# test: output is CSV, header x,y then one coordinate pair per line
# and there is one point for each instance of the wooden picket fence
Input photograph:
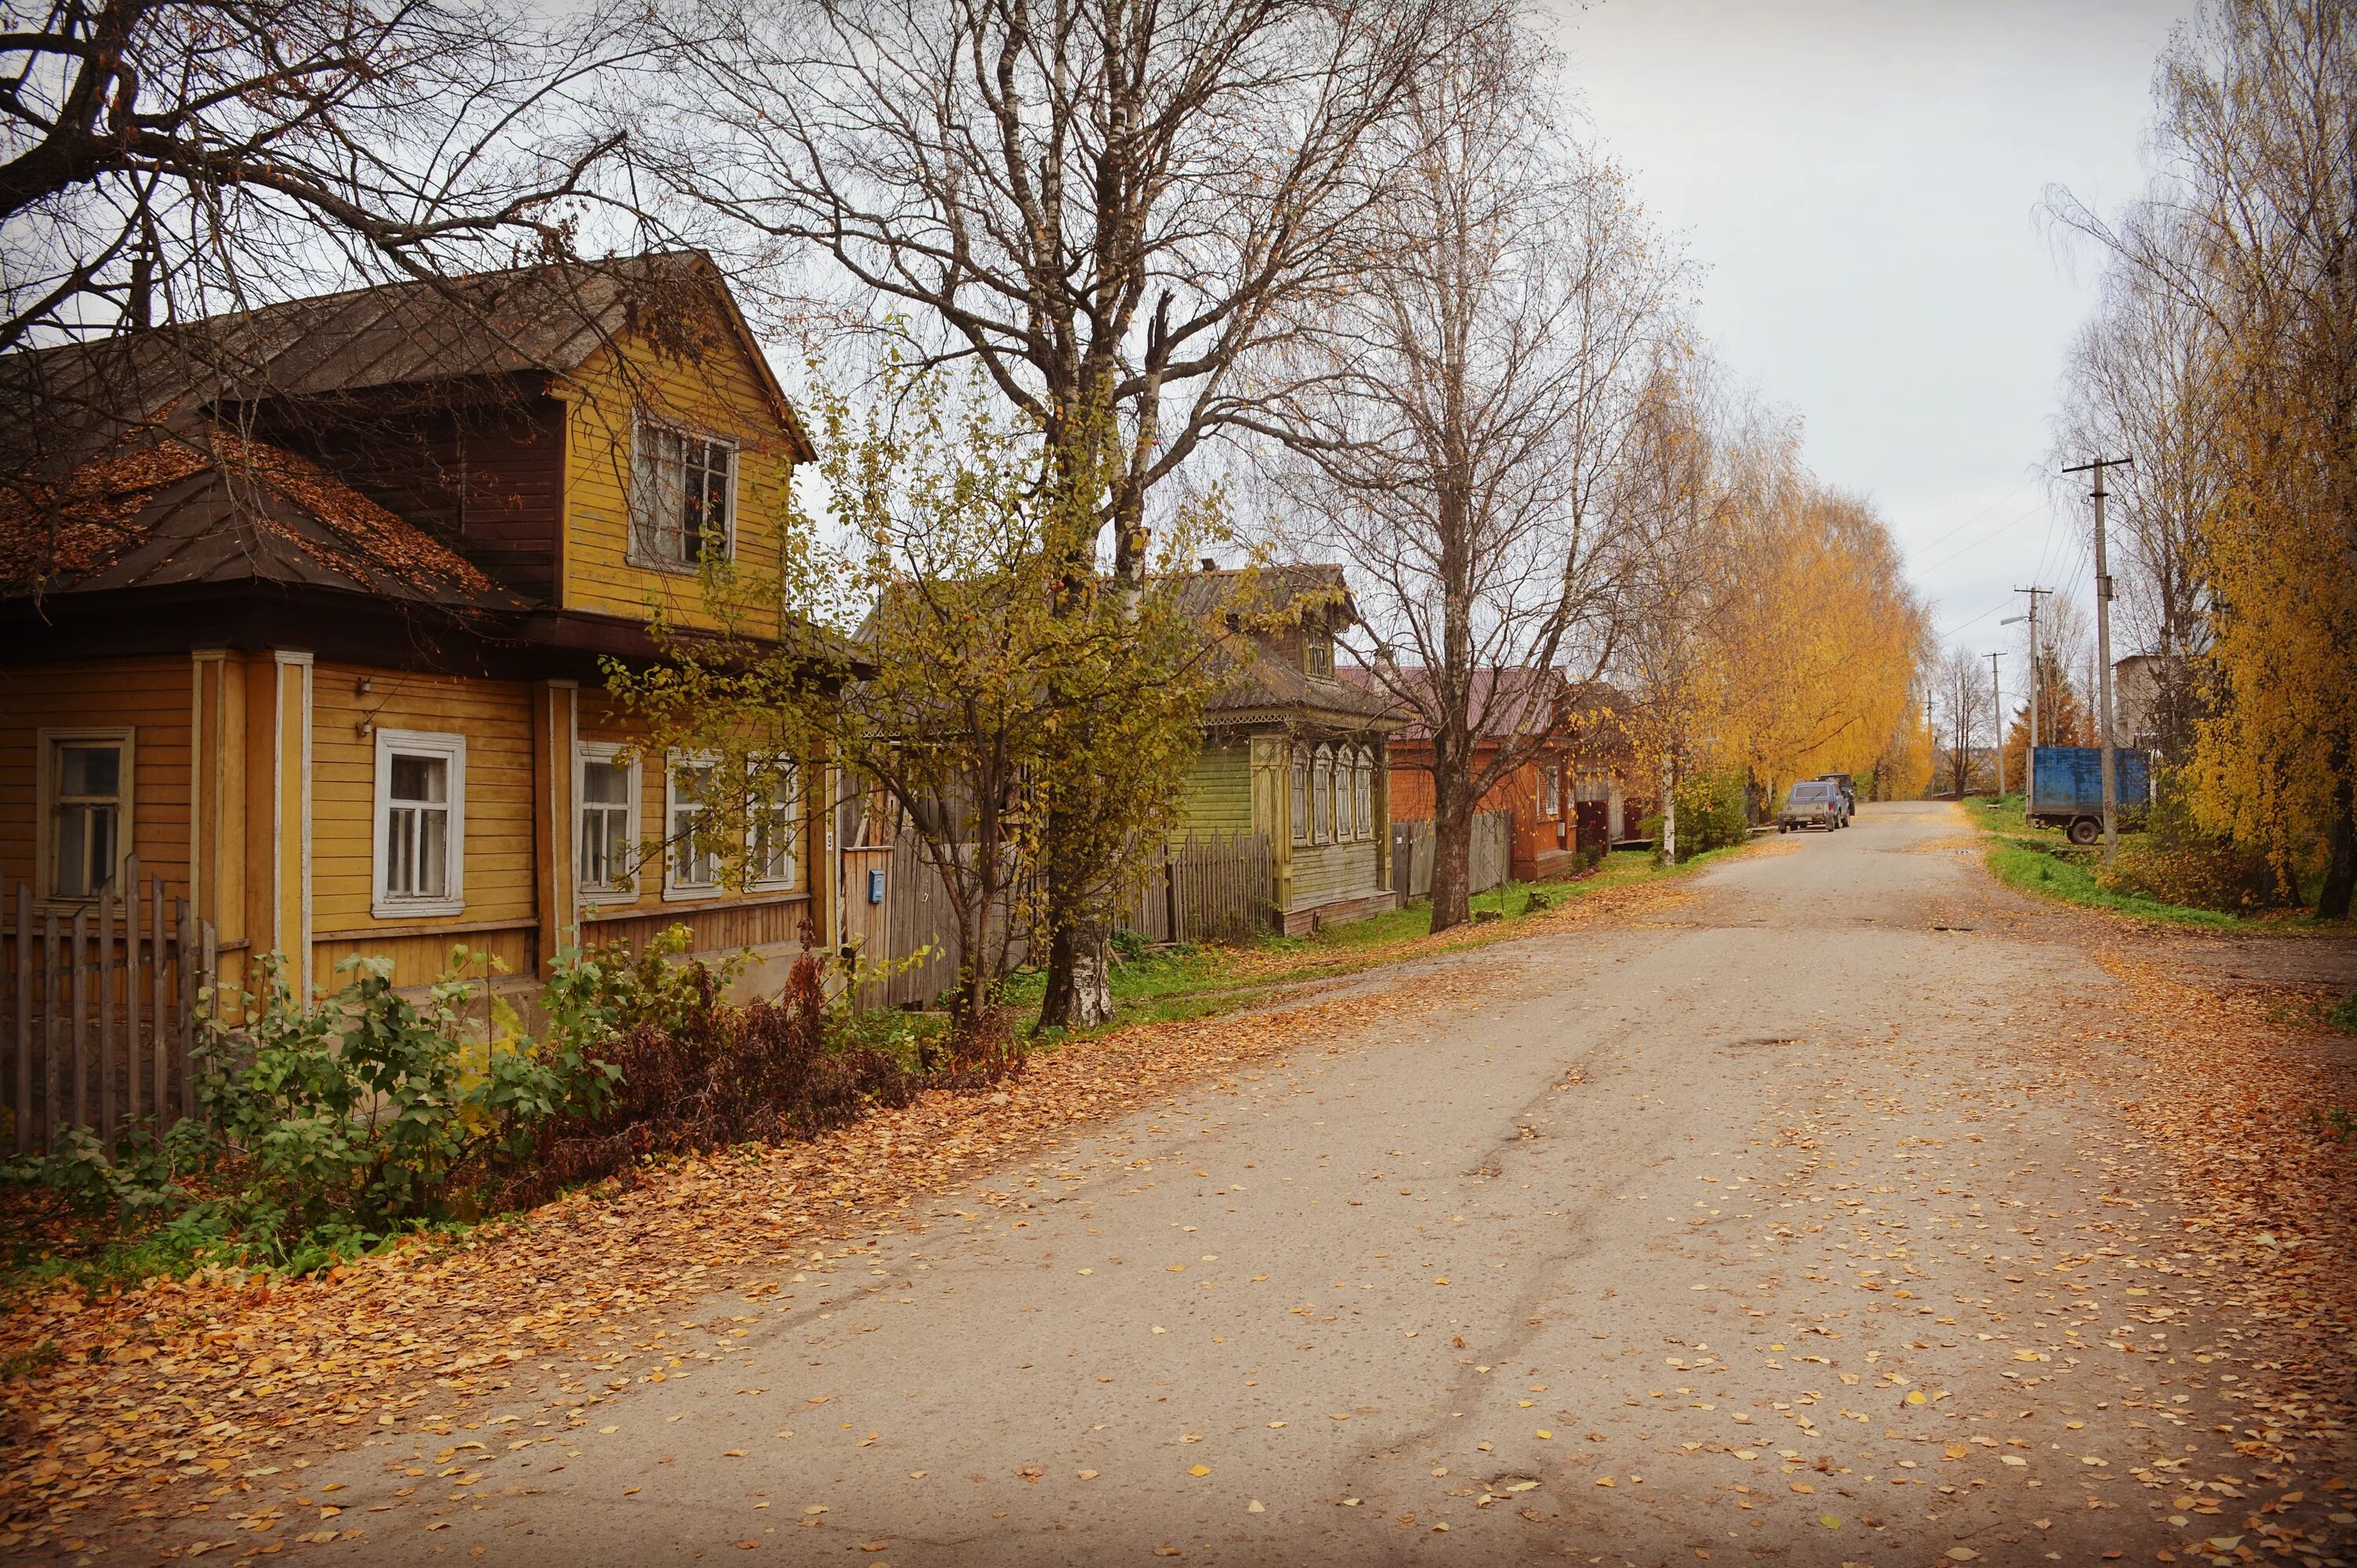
x,y
100,1013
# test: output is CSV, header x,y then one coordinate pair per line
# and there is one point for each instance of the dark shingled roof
x,y
1252,599
61,405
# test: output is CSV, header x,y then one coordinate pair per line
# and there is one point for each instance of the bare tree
x,y
1107,205
2144,379
1966,716
166,159
1452,423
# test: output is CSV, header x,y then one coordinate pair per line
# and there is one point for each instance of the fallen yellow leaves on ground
x,y
130,1396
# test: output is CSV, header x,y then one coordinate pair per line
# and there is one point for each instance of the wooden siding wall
x,y
726,921
498,860
1217,791
767,921
487,476
1330,873
149,695
721,391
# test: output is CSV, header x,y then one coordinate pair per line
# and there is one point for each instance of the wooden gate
x,y
100,1010
867,883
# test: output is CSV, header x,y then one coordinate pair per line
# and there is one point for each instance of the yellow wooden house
x,y
307,607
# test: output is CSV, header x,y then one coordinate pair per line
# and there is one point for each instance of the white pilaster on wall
x,y
290,930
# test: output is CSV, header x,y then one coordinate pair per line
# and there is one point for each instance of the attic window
x,y
1320,653
682,496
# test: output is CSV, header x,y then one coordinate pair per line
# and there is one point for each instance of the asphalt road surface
x,y
1721,1234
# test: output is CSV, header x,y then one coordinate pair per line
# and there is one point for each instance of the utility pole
x,y
2037,695
1997,698
2103,660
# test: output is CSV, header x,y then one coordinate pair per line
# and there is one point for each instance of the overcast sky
x,y
1861,180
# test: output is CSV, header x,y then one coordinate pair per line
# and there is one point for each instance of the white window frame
x,y
452,750
45,851
675,889
645,495
791,804
627,758
1366,794
1551,789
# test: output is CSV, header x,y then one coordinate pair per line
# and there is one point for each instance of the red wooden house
x,y
1565,795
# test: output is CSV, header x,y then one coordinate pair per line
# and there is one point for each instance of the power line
x,y
2001,500
1975,543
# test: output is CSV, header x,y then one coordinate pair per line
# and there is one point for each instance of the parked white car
x,y
1814,804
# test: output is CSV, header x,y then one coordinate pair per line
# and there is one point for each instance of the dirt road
x,y
1778,1227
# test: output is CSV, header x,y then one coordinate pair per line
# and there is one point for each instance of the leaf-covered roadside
x,y
2159,880
122,1399
322,1131
2242,1103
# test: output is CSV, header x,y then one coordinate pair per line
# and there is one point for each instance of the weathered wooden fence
x,y
917,916
100,1009
1207,887
1492,857
1490,862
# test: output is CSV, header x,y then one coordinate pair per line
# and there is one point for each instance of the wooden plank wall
x,y
1490,858
720,391
147,695
711,928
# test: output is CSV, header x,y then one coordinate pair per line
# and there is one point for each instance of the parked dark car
x,y
2067,788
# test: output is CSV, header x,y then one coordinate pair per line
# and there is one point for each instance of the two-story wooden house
x,y
306,606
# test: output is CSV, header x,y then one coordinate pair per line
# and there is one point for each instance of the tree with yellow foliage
x,y
1771,633
2251,224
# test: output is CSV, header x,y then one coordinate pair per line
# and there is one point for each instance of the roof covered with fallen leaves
x,y
211,508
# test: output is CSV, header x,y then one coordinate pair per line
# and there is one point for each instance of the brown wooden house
x,y
306,608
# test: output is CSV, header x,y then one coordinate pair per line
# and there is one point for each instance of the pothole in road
x,y
1762,1040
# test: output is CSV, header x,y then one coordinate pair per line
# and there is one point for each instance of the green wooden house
x,y
1293,752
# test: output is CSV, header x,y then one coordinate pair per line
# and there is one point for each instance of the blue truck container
x,y
2068,788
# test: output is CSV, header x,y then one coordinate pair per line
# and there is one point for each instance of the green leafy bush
x,y
321,1132
1710,815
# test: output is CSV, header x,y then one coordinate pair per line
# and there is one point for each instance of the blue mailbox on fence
x,y
875,886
